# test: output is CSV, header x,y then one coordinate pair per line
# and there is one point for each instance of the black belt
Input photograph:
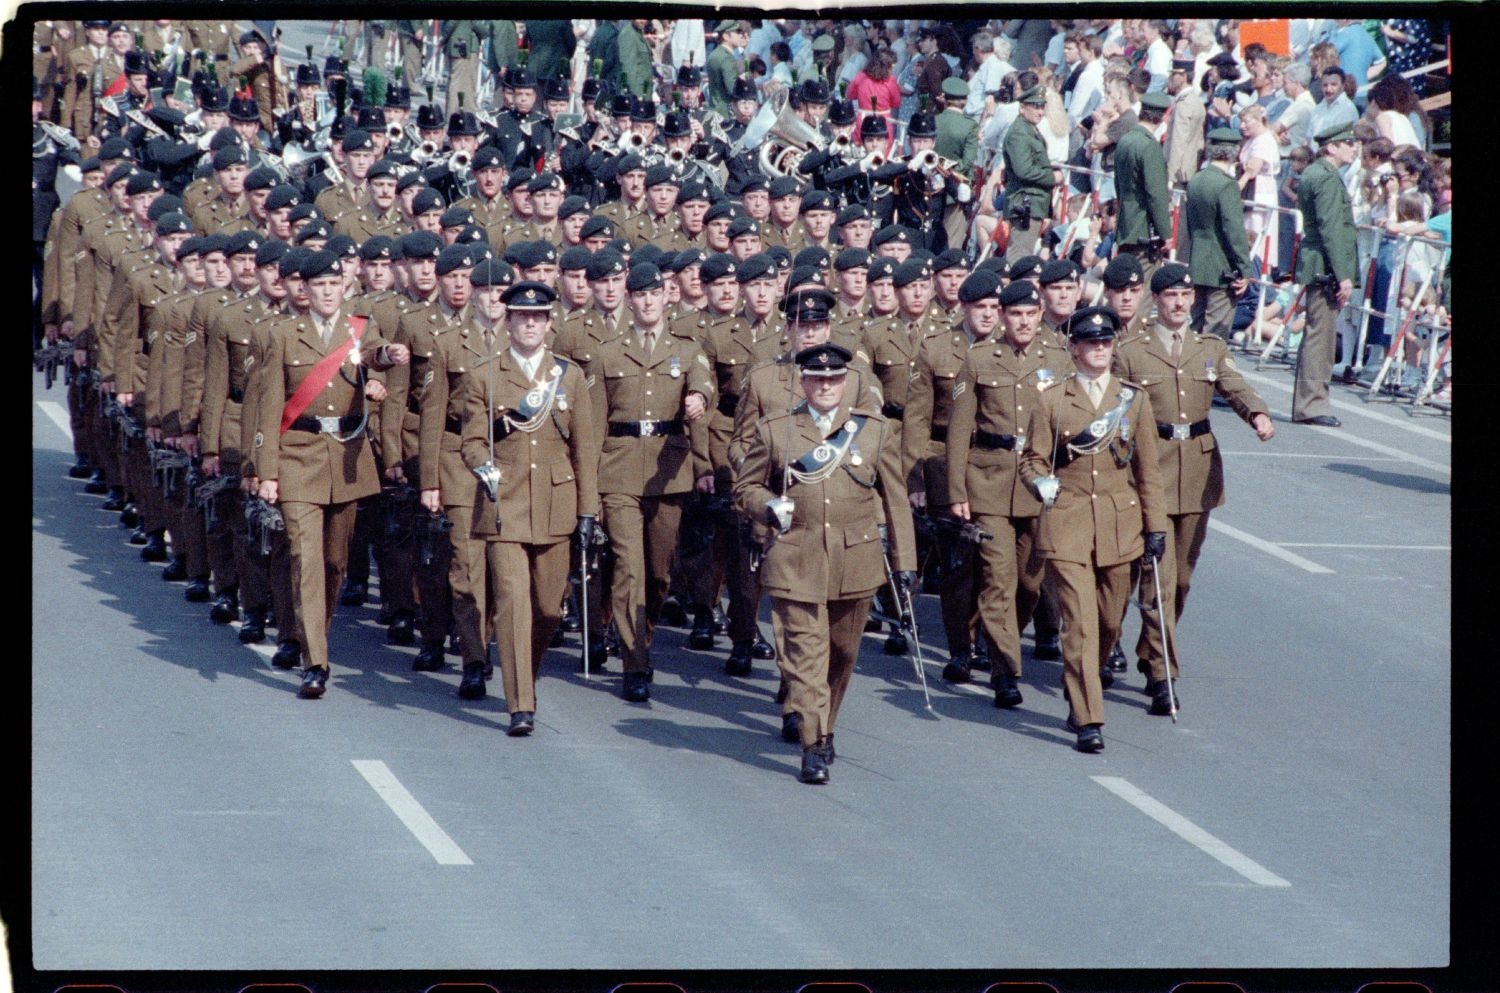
x,y
895,411
43,49
454,425
939,432
728,402
984,439
221,58
1182,432
314,425
644,429
237,396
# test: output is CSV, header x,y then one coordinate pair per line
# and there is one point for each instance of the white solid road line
x,y
1358,408
1269,548
1190,832
1376,446
1398,548
58,416
412,814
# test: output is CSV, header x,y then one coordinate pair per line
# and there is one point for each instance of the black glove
x,y
585,529
1156,545
907,581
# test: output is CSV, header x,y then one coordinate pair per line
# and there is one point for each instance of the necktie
x,y
1176,345
1096,393
648,342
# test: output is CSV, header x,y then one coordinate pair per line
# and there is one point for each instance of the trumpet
x,y
630,141
395,131
872,161
841,146
61,137
424,152
459,161
676,157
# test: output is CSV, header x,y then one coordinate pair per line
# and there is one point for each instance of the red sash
x,y
321,375
116,88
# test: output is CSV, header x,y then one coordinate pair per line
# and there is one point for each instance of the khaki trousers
x,y
527,583
643,537
317,536
820,644
1184,544
1091,604
1010,585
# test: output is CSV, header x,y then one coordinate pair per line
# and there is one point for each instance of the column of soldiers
x,y
508,356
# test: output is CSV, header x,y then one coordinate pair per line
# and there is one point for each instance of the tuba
x,y
784,140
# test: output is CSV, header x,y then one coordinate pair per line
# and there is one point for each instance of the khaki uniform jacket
x,y
832,550
227,363
533,231
893,347
78,87
630,387
255,363
583,334
1103,510
996,392
622,215
734,348
456,352
548,477
400,423
364,223
199,192
163,364
107,239
1192,471
67,250
775,386
488,214
184,351
313,468
773,234
929,411
220,216
336,201
134,325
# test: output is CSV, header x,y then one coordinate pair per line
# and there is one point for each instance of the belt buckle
x,y
648,428
1181,432
328,425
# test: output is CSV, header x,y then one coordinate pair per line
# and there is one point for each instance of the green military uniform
x,y
1028,184
1141,192
1328,256
635,63
957,138
723,69
1216,230
551,44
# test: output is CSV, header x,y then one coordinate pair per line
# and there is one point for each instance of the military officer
x,y
1219,253
1092,459
1144,228
1028,175
529,433
1328,266
826,476
651,389
723,68
999,386
1181,371
312,456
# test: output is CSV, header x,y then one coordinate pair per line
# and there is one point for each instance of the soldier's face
x,y
268,277
1060,298
1123,301
490,180
383,192
93,180
486,300
1093,357
813,113
852,284
692,97
948,282
760,296
545,204
192,269
360,161
883,295
242,270
214,120
307,94
663,197
716,234
232,179
141,203
119,197
691,214
609,291
784,209
96,36
257,201
575,287
454,287
527,329
982,316
520,202
672,291
647,305
857,234
899,251
137,82
377,275
525,99
757,204
1174,305
744,110
216,269
571,226
121,42
422,274
544,273
745,246
247,130
810,333
466,143
914,297
325,293
818,223
724,294
633,184
824,393
555,107
1032,113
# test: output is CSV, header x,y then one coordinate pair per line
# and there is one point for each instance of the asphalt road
x,y
190,812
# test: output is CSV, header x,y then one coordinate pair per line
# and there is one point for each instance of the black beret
x,y
376,247
290,263
313,229
1057,271
487,157
315,264
692,190
950,259
426,200
117,148
597,227
270,252
851,258
717,266
1020,292
142,182
173,222
210,243
357,140
472,234
410,179
165,204
814,255
242,242
743,225
853,212
604,264
689,257
534,253
1171,275
119,172
303,211
785,186
980,285
381,167
572,205
518,179
660,174
190,246
646,253
910,271
891,232
781,255
546,181
643,277
421,245
343,246
455,256
574,259
90,164
259,178
629,162
754,181
456,217
1025,266
229,155
1123,270
721,208
759,266
881,267
491,272
818,200
802,274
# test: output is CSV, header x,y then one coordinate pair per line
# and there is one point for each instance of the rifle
x,y
120,419
264,519
703,514
52,356
398,505
431,528
206,497
954,538
166,463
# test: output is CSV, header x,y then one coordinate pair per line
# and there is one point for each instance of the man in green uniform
x,y
635,60
1327,266
723,67
1145,218
1219,258
1028,175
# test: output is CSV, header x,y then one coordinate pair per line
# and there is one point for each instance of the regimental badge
x,y
1044,379
822,453
854,457
675,370
534,398
562,400
1098,427
1208,371
260,439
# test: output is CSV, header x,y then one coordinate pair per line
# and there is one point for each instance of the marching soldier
x,y
894,347
353,193
827,476
229,210
651,389
311,453
1058,280
1181,371
1092,459
1220,253
1123,285
529,433
998,388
